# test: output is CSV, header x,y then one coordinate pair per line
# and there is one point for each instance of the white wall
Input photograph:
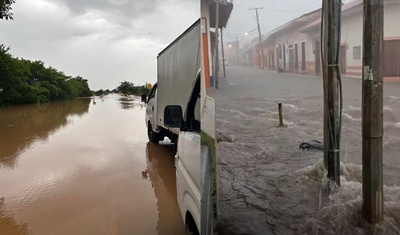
x,y
392,20
352,32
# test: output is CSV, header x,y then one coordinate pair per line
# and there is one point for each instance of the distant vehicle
x,y
173,110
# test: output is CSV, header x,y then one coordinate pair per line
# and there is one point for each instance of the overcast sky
x,y
104,41
274,14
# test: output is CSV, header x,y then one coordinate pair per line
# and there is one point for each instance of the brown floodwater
x,y
79,167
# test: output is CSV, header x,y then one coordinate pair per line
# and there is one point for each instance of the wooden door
x,y
317,58
296,57
291,60
391,58
303,56
284,57
343,59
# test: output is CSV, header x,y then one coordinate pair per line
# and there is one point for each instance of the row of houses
x,y
295,46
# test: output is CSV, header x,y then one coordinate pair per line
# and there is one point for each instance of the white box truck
x,y
178,65
174,110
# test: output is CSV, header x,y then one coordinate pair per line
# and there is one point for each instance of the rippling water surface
x,y
84,167
269,186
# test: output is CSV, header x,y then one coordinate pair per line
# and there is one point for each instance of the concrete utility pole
x,y
259,33
330,38
223,53
216,61
372,109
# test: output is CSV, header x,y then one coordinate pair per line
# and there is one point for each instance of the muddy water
x,y
81,167
269,186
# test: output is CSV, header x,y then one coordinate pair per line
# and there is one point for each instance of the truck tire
x,y
153,136
175,147
190,225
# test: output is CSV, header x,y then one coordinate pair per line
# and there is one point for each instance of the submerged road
x,y
267,185
79,167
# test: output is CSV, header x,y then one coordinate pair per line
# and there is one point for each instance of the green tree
x,y
9,81
101,92
25,82
126,88
5,9
80,87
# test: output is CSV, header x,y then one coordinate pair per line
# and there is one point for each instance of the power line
x,y
232,35
307,5
241,3
289,17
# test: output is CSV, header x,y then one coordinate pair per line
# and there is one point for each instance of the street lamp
x,y
230,45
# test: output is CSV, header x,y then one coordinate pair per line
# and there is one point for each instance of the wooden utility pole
x,y
259,34
223,53
372,109
216,60
330,38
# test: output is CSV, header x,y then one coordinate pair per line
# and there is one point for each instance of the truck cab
x,y
153,132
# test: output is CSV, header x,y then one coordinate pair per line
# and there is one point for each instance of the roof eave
x,y
224,11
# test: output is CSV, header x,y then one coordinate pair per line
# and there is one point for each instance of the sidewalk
x,y
344,76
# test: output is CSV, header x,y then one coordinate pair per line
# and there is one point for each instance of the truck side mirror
x,y
173,116
144,98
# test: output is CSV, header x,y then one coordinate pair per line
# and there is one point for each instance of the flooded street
x,y
81,167
267,185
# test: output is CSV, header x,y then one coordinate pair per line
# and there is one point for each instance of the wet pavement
x,y
84,167
267,185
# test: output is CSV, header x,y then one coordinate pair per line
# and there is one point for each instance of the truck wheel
x,y
175,147
153,136
174,138
191,227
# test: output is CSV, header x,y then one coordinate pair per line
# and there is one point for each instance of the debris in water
x,y
221,137
313,144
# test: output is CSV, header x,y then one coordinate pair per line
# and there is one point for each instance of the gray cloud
x,y
106,42
122,7
122,12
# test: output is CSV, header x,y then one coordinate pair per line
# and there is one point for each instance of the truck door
x,y
188,160
151,111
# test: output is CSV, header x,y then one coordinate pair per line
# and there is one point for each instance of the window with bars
x,y
357,53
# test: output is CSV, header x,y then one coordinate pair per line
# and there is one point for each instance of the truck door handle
x,y
152,108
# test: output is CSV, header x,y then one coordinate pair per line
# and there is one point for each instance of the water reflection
x,y
129,103
20,126
161,173
8,225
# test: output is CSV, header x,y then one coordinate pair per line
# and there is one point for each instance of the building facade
x,y
296,46
286,47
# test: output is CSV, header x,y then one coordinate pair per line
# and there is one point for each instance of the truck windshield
x,y
153,92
